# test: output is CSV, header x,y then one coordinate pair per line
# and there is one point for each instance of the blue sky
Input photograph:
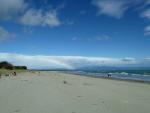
x,y
111,29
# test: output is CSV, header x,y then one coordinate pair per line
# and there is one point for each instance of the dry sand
x,y
46,92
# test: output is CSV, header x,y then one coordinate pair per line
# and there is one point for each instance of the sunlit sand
x,y
53,92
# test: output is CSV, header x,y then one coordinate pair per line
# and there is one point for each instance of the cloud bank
x,y
68,62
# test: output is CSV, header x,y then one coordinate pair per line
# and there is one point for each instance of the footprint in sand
x,y
24,80
16,111
126,101
94,104
65,82
103,102
87,84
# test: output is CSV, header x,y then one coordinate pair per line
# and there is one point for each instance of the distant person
x,y
0,76
15,73
109,75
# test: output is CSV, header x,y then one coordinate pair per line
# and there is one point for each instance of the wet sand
x,y
54,92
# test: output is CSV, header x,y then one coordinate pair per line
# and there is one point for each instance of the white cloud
x,y
148,59
103,37
28,30
97,38
117,8
9,8
146,14
147,30
129,59
5,35
65,62
147,2
20,11
34,62
70,22
112,8
83,12
34,17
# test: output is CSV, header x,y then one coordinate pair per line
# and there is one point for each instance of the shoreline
x,y
79,74
110,78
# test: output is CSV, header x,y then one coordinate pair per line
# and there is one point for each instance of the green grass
x,y
6,71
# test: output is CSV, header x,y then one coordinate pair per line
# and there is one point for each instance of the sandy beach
x,y
55,92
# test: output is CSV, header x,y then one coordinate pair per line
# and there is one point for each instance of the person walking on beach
x,y
109,75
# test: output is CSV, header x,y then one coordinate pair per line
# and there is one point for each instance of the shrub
x,y
6,65
20,67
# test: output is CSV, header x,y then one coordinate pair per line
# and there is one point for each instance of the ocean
x,y
136,75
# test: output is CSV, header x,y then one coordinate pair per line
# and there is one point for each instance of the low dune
x,y
55,92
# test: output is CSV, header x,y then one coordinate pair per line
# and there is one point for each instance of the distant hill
x,y
7,65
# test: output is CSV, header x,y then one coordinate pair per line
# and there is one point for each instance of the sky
x,y
75,33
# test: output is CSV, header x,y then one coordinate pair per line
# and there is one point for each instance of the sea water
x,y
139,75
